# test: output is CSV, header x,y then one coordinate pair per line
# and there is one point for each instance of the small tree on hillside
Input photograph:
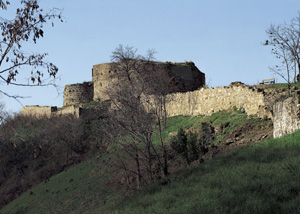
x,y
186,144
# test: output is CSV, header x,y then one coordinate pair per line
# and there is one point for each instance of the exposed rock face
x,y
286,116
186,77
78,93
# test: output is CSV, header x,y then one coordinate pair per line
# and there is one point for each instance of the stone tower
x,y
186,76
78,93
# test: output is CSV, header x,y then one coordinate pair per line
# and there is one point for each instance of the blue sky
x,y
223,38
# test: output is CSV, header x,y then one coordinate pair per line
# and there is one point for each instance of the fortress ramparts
x,y
210,100
186,98
186,77
51,111
39,111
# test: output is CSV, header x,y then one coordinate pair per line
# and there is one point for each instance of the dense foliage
x,y
99,184
32,150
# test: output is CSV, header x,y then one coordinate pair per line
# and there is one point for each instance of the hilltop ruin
x,y
186,77
189,96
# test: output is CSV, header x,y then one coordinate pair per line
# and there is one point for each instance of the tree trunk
x,y
165,156
138,170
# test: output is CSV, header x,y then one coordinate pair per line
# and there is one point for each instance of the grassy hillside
x,y
93,186
259,178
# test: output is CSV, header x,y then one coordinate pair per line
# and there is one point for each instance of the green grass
x,y
92,104
235,118
80,188
279,85
177,122
261,178
218,186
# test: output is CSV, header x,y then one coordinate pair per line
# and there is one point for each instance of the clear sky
x,y
223,38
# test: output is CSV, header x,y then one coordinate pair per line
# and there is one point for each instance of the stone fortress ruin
x,y
189,96
186,76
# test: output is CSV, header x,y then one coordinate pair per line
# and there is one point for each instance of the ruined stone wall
x,y
39,111
78,93
186,77
286,116
69,110
207,101
101,79
50,111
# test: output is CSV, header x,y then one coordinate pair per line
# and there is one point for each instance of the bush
x,y
186,145
192,145
33,150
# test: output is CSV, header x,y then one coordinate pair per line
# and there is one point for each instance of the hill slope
x,y
259,178
219,185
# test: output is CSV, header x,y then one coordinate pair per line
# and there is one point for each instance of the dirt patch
x,y
241,136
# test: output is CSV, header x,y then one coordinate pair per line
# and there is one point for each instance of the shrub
x,y
186,145
192,145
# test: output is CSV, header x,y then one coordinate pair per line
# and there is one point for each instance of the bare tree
x,y
285,42
134,77
129,116
26,26
161,83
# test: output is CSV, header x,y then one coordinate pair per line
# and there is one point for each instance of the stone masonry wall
x,y
186,77
69,110
78,93
38,111
50,111
286,116
210,100
101,79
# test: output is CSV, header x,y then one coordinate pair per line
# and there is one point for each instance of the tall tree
x,y
135,77
285,42
26,26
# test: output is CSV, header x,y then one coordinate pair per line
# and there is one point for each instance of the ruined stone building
x,y
186,76
188,97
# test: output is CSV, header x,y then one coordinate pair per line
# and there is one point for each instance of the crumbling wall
x,y
69,110
206,101
78,93
101,79
39,111
50,111
286,116
186,77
